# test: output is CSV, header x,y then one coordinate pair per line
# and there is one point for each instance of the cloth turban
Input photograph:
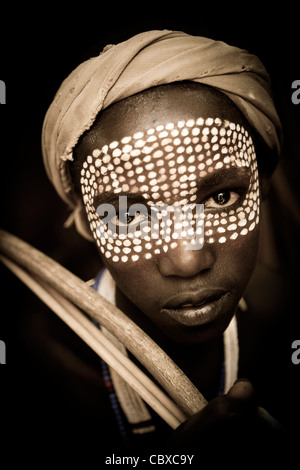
x,y
150,59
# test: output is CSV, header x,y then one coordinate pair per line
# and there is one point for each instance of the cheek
x,y
237,258
139,281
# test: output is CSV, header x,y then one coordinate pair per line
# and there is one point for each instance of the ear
x,y
82,223
79,218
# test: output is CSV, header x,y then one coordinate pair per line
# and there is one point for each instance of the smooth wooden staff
x,y
88,332
156,361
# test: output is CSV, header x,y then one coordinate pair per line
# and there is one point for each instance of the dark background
x,y
39,48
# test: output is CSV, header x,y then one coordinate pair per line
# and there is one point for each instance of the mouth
x,y
196,309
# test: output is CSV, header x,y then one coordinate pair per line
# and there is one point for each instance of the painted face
x,y
144,193
198,180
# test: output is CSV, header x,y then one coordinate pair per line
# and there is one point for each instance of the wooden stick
x,y
102,346
162,368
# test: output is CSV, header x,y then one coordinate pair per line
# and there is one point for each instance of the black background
x,y
39,47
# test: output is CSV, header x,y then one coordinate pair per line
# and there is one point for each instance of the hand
x,y
232,418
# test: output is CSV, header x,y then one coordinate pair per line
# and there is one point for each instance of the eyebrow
x,y
224,175
240,175
113,198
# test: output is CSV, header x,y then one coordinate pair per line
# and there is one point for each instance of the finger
x,y
242,389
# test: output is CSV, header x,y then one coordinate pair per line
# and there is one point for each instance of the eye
x,y
124,219
224,198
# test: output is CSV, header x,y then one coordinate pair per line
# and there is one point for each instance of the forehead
x,y
157,107
168,160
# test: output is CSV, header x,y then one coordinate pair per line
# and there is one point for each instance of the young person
x,y
163,147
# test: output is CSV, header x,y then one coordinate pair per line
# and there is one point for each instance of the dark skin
x,y
145,286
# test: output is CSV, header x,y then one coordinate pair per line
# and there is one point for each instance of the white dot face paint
x,y
164,177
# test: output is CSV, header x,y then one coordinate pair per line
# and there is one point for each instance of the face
x,y
174,210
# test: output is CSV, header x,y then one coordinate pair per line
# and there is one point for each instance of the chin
x,y
193,335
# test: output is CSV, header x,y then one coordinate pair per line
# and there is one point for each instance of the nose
x,y
182,261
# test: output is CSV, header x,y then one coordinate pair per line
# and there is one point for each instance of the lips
x,y
196,308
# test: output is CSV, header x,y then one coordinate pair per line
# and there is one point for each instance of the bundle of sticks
x,y
76,303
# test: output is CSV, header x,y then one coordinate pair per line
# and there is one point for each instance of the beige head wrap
x,y
143,61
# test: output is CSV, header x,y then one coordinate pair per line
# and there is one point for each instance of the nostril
x,y
181,262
